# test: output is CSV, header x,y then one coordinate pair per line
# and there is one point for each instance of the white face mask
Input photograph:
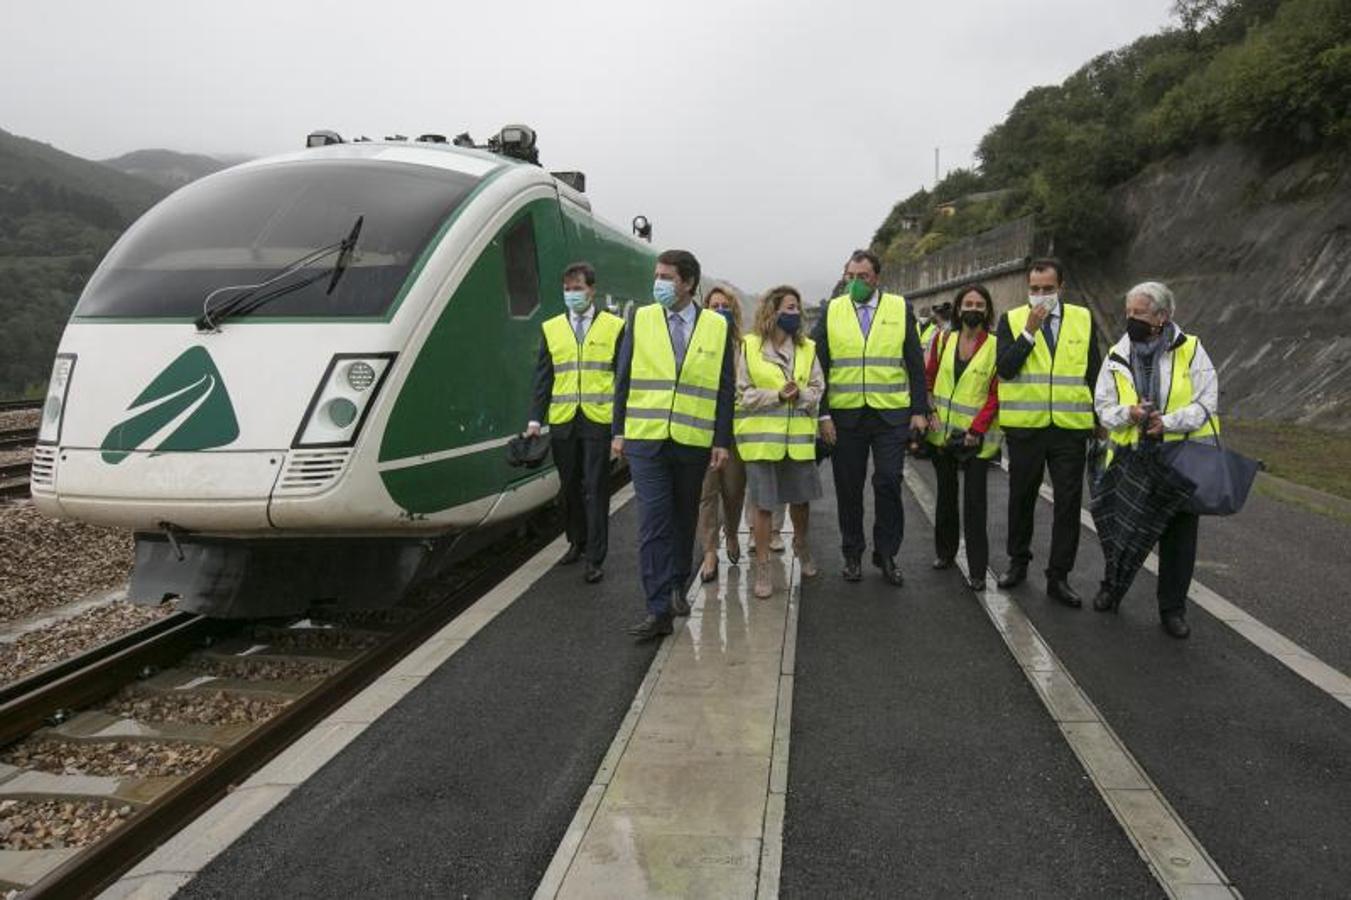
x,y
1045,301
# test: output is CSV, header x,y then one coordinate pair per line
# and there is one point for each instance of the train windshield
x,y
239,227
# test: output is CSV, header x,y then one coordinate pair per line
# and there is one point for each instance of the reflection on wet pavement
x,y
690,809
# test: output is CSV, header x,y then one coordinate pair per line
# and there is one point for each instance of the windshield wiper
x,y
345,254
251,298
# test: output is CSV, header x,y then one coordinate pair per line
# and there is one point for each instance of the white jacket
x,y
1205,386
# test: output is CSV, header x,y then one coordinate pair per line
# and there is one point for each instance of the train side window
x,y
522,269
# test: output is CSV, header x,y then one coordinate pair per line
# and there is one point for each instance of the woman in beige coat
x,y
772,389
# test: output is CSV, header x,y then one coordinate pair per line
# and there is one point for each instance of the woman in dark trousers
x,y
724,490
964,430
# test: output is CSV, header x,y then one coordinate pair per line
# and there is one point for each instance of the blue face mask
x,y
664,292
576,300
726,314
790,322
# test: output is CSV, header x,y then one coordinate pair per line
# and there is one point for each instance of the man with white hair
x,y
1159,384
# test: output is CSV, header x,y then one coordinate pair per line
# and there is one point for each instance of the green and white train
x,y
278,430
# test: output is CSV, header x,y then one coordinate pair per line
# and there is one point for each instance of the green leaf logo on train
x,y
189,394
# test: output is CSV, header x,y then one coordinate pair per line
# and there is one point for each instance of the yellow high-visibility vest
x,y
768,435
926,334
868,372
957,403
1181,393
663,403
1051,390
583,373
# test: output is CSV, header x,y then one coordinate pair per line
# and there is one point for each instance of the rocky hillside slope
x,y
1260,261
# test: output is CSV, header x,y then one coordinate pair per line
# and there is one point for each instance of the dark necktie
x,y
1048,334
678,339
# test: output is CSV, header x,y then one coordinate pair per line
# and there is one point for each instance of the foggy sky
x,y
769,138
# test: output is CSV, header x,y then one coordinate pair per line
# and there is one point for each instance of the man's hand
x,y
919,424
718,458
1155,427
1036,317
827,428
934,423
617,448
1138,414
532,430
788,391
971,439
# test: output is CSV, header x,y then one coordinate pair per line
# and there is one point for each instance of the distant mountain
x,y
28,161
59,214
167,168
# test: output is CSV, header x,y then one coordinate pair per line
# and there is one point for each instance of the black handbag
x,y
524,451
1223,477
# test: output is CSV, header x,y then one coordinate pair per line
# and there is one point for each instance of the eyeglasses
x,y
1043,288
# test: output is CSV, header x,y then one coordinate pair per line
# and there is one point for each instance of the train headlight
x,y
344,397
54,409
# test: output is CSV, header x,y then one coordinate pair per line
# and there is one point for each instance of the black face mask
x,y
1139,330
973,318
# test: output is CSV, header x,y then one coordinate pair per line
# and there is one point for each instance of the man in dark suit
x,y
674,392
1048,361
875,401
574,388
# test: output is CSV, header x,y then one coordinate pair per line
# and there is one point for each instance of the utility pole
x,y
935,167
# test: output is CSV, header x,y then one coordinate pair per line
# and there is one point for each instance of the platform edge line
x,y
1173,887
1326,678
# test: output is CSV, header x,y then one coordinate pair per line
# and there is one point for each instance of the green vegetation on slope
x,y
58,215
1274,74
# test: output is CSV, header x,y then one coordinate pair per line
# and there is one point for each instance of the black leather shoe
x,y
853,570
594,573
890,574
574,553
1176,626
679,605
652,628
1015,576
1104,601
976,584
944,562
1059,590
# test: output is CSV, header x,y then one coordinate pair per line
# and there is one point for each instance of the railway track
x,y
18,438
14,475
167,659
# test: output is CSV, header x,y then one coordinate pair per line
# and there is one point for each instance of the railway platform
x,y
838,739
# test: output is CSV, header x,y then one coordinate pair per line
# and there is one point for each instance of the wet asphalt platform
x,y
921,760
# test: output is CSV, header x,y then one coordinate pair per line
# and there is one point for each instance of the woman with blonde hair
x,y
779,388
724,489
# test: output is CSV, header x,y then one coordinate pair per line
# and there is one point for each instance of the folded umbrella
x,y
1134,500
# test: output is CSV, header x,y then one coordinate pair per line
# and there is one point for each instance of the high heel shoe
x,y
806,565
764,584
706,574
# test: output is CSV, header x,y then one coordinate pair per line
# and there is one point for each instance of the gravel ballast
x,y
49,563
68,637
194,707
117,759
54,824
